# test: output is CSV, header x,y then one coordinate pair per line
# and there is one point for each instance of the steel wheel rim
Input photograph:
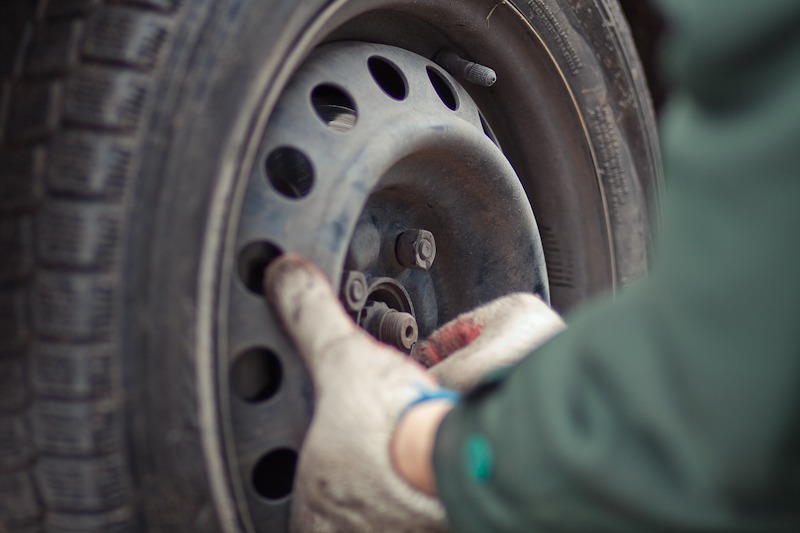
x,y
353,152
343,19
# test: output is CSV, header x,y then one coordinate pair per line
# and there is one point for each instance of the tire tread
x,y
75,78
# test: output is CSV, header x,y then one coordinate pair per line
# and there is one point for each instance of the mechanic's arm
x,y
677,406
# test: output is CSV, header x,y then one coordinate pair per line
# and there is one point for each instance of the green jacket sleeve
x,y
675,406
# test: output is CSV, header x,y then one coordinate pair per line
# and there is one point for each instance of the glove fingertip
x,y
289,276
448,339
285,266
425,354
306,305
289,281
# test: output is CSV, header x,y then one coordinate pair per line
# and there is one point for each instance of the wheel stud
x,y
399,329
468,70
416,249
391,326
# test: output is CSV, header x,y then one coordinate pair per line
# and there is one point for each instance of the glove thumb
x,y
307,307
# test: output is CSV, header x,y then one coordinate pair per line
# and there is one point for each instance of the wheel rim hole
x,y
388,77
335,107
253,259
273,475
443,88
290,171
256,375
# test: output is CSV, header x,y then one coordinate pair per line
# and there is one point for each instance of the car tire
x,y
129,129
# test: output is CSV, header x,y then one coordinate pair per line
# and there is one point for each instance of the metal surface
x,y
416,248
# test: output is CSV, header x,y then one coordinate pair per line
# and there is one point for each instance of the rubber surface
x,y
76,76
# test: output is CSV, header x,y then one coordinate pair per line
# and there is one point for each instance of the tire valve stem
x,y
468,70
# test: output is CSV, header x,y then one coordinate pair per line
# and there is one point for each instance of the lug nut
x,y
354,290
468,70
416,249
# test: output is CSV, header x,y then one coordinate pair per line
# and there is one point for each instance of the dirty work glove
x,y
493,336
345,480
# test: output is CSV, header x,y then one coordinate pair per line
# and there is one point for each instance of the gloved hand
x,y
345,480
491,337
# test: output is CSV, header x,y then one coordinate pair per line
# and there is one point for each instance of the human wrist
x,y
411,446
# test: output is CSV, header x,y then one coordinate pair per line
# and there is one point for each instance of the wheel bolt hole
x,y
443,88
273,475
256,375
290,172
388,77
335,107
253,259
